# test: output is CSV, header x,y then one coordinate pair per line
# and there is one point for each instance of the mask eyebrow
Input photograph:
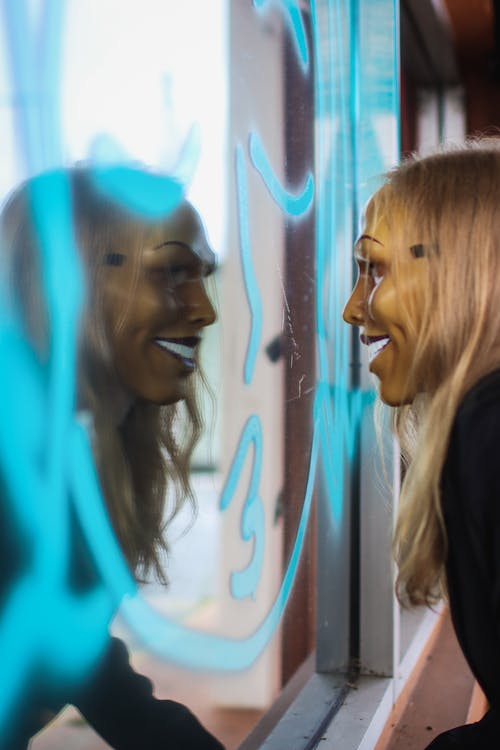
x,y
208,263
369,237
175,242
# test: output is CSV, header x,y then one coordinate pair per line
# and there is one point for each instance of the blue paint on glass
x,y
295,24
251,287
329,217
251,436
38,419
37,398
189,154
104,150
51,211
341,180
244,582
199,650
49,48
293,205
147,195
34,55
336,416
45,455
21,46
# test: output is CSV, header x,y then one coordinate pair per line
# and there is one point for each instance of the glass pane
x,y
227,127
145,105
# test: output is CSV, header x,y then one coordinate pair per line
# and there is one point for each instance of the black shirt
x,y
118,703
470,486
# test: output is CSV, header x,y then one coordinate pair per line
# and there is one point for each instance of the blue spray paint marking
x,y
34,57
189,155
50,205
251,287
342,407
293,205
37,406
147,195
337,413
106,152
332,452
295,24
50,47
198,650
38,401
244,582
23,66
204,651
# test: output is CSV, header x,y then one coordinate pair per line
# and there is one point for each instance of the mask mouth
x,y
375,345
183,349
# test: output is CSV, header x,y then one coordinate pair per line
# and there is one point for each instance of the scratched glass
x,y
221,100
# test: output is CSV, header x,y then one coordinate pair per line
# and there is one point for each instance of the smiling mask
x,y
156,306
386,289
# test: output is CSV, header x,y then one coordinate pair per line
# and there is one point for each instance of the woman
x,y
426,301
145,310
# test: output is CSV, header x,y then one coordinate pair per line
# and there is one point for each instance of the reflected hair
x,y
448,203
143,462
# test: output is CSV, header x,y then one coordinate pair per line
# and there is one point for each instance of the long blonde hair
x,y
150,450
449,203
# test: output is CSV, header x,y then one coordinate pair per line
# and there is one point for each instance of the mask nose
x,y
196,303
355,310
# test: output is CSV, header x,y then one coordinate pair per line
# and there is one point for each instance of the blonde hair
x,y
150,450
449,203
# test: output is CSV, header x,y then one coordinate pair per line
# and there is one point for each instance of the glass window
x,y
276,121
